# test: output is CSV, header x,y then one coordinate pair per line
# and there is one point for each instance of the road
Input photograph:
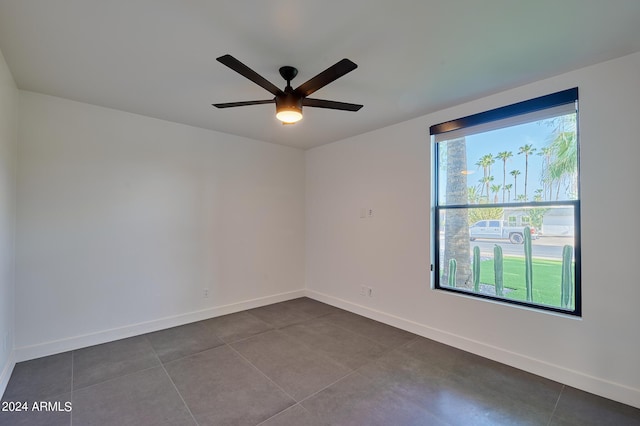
x,y
543,247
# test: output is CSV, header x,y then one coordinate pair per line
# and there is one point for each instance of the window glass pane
x,y
507,204
552,256
529,162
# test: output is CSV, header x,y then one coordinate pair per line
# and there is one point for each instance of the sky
x,y
509,139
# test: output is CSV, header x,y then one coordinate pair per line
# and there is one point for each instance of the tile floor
x,y
301,363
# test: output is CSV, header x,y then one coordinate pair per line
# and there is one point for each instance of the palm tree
x,y
538,194
456,234
515,174
508,188
491,161
564,163
546,153
473,196
486,182
495,189
527,150
485,162
504,156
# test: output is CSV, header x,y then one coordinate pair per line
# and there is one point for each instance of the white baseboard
x,y
576,379
26,353
6,372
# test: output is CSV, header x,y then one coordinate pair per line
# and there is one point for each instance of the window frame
x,y
509,111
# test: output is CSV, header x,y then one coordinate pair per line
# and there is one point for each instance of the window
x,y
507,204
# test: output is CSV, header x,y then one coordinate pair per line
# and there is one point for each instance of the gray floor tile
x,y
40,378
98,363
281,314
222,388
296,368
294,416
469,387
429,387
496,377
356,400
312,307
343,346
442,356
56,414
188,339
576,407
374,330
500,381
144,398
241,325
415,379
463,400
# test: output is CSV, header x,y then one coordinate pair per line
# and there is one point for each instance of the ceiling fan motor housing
x,y
289,106
290,99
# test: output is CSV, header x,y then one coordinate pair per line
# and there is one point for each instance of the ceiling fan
x,y
289,102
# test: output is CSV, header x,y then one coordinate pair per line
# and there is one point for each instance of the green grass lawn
x,y
546,279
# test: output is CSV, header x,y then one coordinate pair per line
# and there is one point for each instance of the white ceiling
x,y
157,57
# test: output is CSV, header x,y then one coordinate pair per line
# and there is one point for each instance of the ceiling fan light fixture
x,y
290,114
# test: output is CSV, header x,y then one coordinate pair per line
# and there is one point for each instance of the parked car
x,y
495,229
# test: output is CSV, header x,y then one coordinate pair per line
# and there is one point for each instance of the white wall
x,y
123,220
389,171
8,146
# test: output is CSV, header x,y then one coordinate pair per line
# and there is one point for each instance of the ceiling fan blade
x,y
244,103
332,73
247,72
322,103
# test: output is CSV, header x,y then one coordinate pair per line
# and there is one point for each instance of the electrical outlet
x,y
205,293
363,290
369,292
370,212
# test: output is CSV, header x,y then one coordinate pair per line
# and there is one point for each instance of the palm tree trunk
x,y
456,237
526,174
504,177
